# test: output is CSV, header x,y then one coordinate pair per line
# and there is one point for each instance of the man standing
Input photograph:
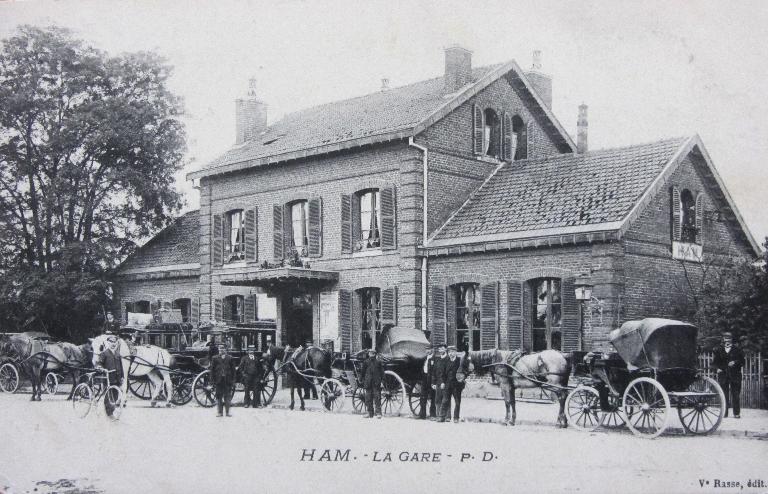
x,y
251,372
440,382
110,361
427,393
729,359
223,372
373,373
457,373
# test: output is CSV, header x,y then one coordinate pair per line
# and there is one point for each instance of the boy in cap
x,y
373,373
729,359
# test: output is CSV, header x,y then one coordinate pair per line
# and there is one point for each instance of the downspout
x,y
424,155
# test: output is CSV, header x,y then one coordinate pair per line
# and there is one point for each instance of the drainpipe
x,y
424,154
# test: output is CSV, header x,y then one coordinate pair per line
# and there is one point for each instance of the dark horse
x,y
300,366
549,369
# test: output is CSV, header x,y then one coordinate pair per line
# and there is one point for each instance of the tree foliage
x,y
89,145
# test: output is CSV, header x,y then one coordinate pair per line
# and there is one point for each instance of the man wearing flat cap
x,y
223,373
458,369
728,358
440,382
427,393
373,374
251,373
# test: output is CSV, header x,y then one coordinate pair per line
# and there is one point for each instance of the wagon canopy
x,y
403,343
656,343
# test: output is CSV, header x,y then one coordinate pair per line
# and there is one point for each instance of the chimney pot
x,y
458,68
385,84
536,65
541,82
581,130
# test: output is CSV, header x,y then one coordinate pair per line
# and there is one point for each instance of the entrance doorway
x,y
297,318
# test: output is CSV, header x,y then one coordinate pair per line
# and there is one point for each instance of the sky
x,y
647,70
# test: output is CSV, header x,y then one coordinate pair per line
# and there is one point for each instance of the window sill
x,y
684,251
234,265
368,253
489,159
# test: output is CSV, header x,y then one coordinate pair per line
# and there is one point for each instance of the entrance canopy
x,y
280,279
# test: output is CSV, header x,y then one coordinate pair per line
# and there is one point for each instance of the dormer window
x,y
519,138
492,134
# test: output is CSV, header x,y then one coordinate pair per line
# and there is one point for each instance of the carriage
x,y
653,371
10,366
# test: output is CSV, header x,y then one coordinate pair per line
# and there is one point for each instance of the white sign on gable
x,y
686,251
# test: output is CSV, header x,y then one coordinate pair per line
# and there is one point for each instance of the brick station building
x,y
456,205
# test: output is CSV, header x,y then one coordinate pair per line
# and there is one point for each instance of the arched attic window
x,y
519,138
491,133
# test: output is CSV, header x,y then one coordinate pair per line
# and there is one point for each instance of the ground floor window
x,y
234,309
142,307
370,299
547,313
467,316
185,306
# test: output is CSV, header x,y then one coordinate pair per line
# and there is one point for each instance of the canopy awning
x,y
280,278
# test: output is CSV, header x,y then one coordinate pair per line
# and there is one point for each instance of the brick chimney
x,y
541,82
458,68
250,115
581,130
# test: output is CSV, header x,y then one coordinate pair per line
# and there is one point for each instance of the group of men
x,y
443,378
224,373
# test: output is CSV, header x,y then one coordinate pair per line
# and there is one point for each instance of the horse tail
x,y
568,367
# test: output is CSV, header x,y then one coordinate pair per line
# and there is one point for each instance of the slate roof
x,y
561,193
178,243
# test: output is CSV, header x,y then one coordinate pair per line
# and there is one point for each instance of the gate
x,y
753,393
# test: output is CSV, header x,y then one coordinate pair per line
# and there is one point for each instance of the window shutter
x,y
277,231
154,306
217,253
226,310
252,235
450,315
515,315
194,311
250,308
218,310
507,149
489,303
287,232
438,314
345,319
676,217
570,311
477,129
388,212
346,224
315,207
525,142
527,316
700,218
356,223
389,306
226,244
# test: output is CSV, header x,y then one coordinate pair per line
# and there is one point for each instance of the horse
x,y
146,360
298,363
548,369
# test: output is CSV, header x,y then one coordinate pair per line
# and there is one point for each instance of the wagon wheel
x,y
268,387
414,399
182,389
140,388
647,408
332,394
703,409
82,400
51,383
9,377
203,390
392,394
115,397
358,399
583,408
613,416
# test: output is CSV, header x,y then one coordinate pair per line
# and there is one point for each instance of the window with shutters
x,y
299,227
370,302
467,316
185,306
687,217
235,234
491,134
519,138
369,203
234,309
687,225
547,313
142,307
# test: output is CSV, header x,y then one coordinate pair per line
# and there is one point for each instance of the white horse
x,y
149,360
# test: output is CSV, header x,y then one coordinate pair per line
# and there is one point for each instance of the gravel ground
x,y
46,449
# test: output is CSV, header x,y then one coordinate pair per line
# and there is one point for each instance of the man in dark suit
x,y
373,374
457,373
223,372
729,359
251,372
427,393
440,382
109,360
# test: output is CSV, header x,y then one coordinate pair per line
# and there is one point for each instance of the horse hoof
x,y
302,409
169,405
153,404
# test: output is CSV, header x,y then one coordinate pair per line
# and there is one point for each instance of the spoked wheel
x,y
702,407
140,388
358,400
51,383
9,377
82,400
414,399
203,390
114,396
268,387
583,408
393,394
613,416
182,389
647,408
332,394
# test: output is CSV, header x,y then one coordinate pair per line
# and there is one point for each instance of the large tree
x,y
89,145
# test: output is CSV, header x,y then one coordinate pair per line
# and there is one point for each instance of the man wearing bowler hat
x,y
440,382
427,393
251,373
457,372
729,359
373,374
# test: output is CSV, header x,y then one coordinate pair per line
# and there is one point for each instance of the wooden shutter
x,y
277,231
315,211
250,308
450,315
477,129
226,312
515,315
438,314
389,306
489,303
217,247
194,311
287,232
700,218
356,223
388,212
524,142
226,238
218,310
570,314
676,217
345,319
252,235
506,132
346,223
